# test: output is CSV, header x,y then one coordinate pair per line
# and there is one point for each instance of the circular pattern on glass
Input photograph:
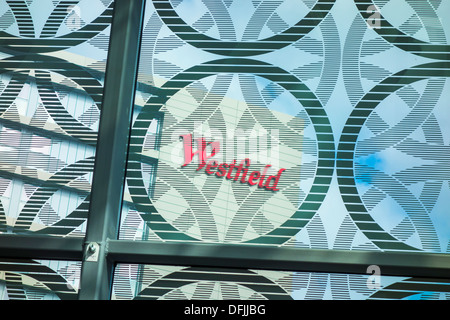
x,y
297,128
241,28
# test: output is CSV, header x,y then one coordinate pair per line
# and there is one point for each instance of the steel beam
x,y
111,154
40,247
418,264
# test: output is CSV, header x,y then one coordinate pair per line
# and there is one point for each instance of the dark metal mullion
x,y
111,154
417,264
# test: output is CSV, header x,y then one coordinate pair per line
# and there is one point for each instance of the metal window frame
x,y
111,154
106,200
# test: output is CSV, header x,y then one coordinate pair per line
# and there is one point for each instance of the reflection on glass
x,y
52,64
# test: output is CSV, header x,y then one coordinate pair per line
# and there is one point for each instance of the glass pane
x,y
298,123
133,281
23,279
52,58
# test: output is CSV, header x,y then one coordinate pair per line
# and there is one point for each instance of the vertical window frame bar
x,y
112,146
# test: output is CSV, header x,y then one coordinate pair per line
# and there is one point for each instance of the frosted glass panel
x,y
153,282
52,64
313,124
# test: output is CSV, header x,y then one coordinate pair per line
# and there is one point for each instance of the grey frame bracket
x,y
91,251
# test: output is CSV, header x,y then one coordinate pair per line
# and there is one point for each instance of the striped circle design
x,y
317,115
348,142
421,288
58,181
199,40
27,279
260,285
401,39
26,43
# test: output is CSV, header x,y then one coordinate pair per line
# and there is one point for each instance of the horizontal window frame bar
x,y
262,257
244,256
41,247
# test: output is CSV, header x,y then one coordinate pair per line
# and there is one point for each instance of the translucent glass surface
x,y
152,282
343,103
23,279
52,64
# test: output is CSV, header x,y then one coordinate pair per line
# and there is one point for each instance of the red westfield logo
x,y
232,171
